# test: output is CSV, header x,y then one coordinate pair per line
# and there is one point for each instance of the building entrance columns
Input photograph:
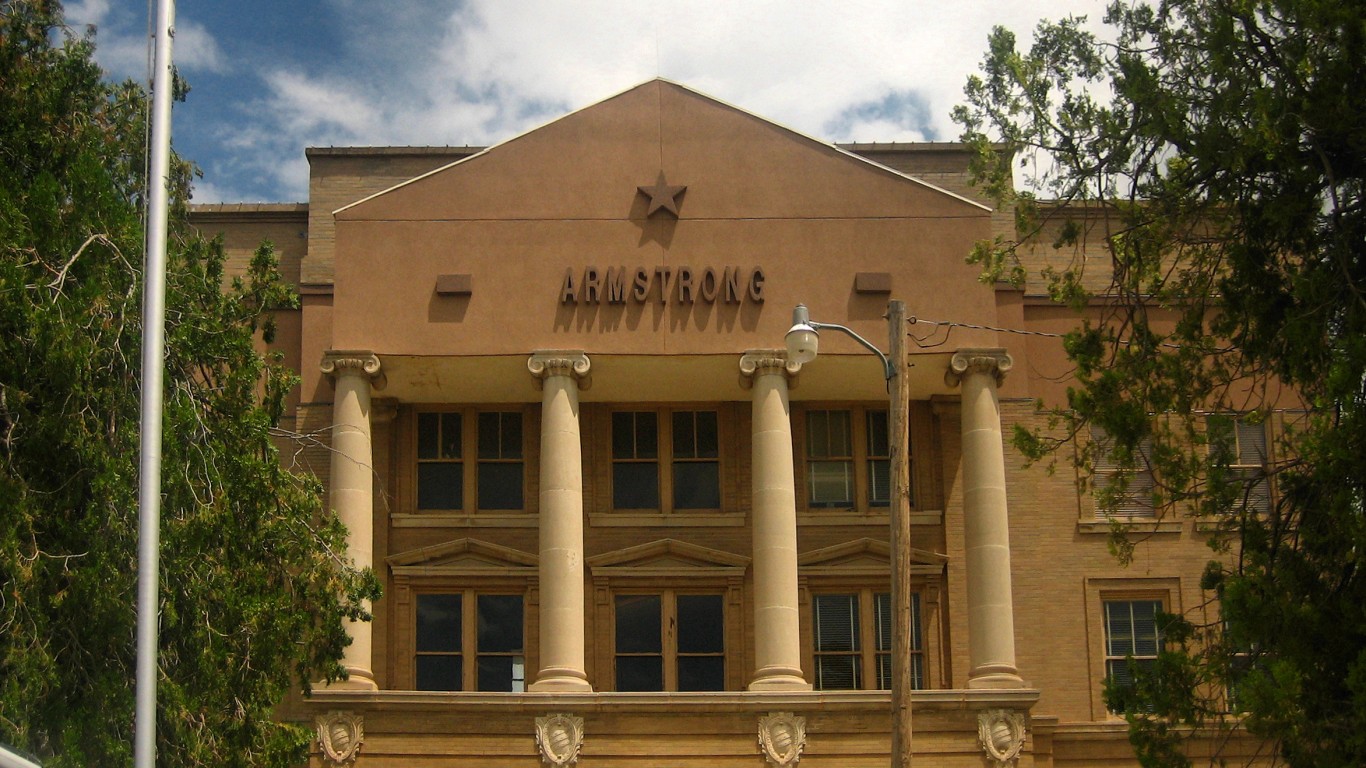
x,y
777,630
352,485
560,375
991,622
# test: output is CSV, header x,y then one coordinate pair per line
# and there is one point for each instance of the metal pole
x,y
899,425
153,361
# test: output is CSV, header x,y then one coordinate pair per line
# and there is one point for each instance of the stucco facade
x,y
544,384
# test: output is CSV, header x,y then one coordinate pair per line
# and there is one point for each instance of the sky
x,y
269,78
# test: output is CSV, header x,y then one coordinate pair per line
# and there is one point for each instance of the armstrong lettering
x,y
679,285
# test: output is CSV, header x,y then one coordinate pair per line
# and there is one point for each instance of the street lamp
x,y
803,343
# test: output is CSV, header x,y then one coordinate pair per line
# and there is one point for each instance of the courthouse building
x,y
546,387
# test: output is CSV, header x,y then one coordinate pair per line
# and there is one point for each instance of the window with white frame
x,y
1241,444
1123,495
1133,638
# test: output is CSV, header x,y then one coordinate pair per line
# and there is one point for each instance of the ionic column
x,y
991,622
559,375
352,485
777,631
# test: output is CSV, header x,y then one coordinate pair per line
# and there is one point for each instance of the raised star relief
x,y
662,196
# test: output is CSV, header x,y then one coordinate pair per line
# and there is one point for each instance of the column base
x,y
996,680
779,681
357,679
560,682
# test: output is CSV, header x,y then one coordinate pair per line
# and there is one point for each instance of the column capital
x,y
339,362
995,362
757,362
545,363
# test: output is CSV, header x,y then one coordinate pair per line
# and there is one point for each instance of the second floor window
x,y
670,641
470,642
1240,444
666,460
852,634
1132,639
469,456
848,458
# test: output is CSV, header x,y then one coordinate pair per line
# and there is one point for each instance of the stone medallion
x,y
1002,735
559,737
340,735
782,737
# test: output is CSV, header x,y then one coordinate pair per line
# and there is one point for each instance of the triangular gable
x,y
866,557
462,557
667,557
734,163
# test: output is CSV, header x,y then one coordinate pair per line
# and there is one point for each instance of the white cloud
x,y
855,70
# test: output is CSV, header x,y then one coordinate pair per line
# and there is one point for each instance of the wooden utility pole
x,y
899,391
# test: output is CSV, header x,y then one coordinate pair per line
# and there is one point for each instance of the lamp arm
x,y
888,370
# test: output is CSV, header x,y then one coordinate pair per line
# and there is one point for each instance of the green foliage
x,y
254,582
1210,155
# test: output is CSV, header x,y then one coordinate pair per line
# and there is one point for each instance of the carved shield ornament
x,y
782,737
1002,734
559,737
340,735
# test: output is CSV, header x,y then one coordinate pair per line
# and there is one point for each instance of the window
x,y
1132,638
852,636
669,641
468,641
446,481
669,456
1129,495
848,458
1241,445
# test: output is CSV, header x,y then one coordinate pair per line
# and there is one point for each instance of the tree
x,y
255,583
1208,155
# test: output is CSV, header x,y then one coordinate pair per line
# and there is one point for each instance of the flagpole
x,y
153,362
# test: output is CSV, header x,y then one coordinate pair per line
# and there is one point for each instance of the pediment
x,y
866,556
462,557
666,557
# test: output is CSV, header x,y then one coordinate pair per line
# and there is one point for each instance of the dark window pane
x,y
489,443
647,435
837,673
502,673
830,483
638,626
708,435
836,618
440,486
450,435
877,434
640,673
701,627
701,673
882,615
438,673
635,486
438,623
884,671
500,623
685,435
879,482
428,435
623,435
697,485
500,485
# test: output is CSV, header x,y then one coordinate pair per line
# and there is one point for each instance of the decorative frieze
x,y
994,362
782,737
339,737
1001,732
559,737
546,363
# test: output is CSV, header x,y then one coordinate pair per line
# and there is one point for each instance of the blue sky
x,y
271,77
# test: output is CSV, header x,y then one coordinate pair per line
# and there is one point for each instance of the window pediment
x,y
667,557
463,557
866,556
